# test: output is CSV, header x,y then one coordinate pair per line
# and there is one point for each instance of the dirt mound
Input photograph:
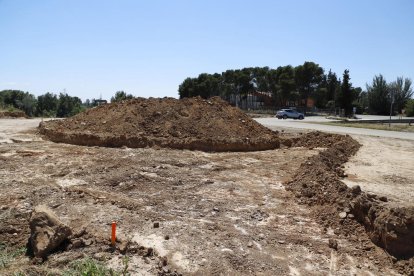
x,y
317,180
317,183
192,123
317,139
12,114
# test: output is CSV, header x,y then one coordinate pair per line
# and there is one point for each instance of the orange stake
x,y
113,236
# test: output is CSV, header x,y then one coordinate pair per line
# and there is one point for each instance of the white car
x,y
289,113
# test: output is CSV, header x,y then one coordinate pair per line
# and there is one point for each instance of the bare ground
x,y
219,213
384,166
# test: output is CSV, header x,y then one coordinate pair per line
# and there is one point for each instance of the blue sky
x,y
147,48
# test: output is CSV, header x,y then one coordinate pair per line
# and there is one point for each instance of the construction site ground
x,y
218,213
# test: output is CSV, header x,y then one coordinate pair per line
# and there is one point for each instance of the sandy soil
x,y
223,213
384,166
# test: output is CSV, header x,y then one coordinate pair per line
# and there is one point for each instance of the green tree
x,y
68,106
286,83
320,96
332,82
347,94
20,100
259,75
121,96
47,105
28,104
378,96
409,108
186,88
307,78
401,91
281,83
361,100
11,98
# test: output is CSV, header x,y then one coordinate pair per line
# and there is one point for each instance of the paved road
x,y
274,123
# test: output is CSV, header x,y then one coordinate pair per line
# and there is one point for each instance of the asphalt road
x,y
274,123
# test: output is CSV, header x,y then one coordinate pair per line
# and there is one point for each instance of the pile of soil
x,y
12,114
318,184
317,139
191,123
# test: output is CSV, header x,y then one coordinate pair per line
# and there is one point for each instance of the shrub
x,y
409,108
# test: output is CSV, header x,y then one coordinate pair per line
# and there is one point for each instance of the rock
x,y
163,261
47,232
372,196
87,242
356,190
37,261
166,237
100,256
150,252
351,216
78,243
333,244
347,210
133,248
342,215
383,198
216,209
123,247
156,224
79,233
250,244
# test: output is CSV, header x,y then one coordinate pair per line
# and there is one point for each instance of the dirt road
x,y
219,213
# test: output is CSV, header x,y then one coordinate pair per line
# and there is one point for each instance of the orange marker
x,y
113,236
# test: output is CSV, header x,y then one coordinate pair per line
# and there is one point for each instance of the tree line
x,y
276,88
384,98
50,104
296,86
46,105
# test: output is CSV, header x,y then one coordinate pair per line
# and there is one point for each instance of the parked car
x,y
289,113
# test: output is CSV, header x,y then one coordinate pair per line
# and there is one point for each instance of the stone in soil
x,y
47,231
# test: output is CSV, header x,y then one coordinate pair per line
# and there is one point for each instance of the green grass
x,y
11,264
88,267
7,255
91,267
393,127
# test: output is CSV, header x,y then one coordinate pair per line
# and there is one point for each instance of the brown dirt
x,y
317,183
193,123
12,114
223,213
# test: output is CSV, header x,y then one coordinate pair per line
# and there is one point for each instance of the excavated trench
x,y
318,184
